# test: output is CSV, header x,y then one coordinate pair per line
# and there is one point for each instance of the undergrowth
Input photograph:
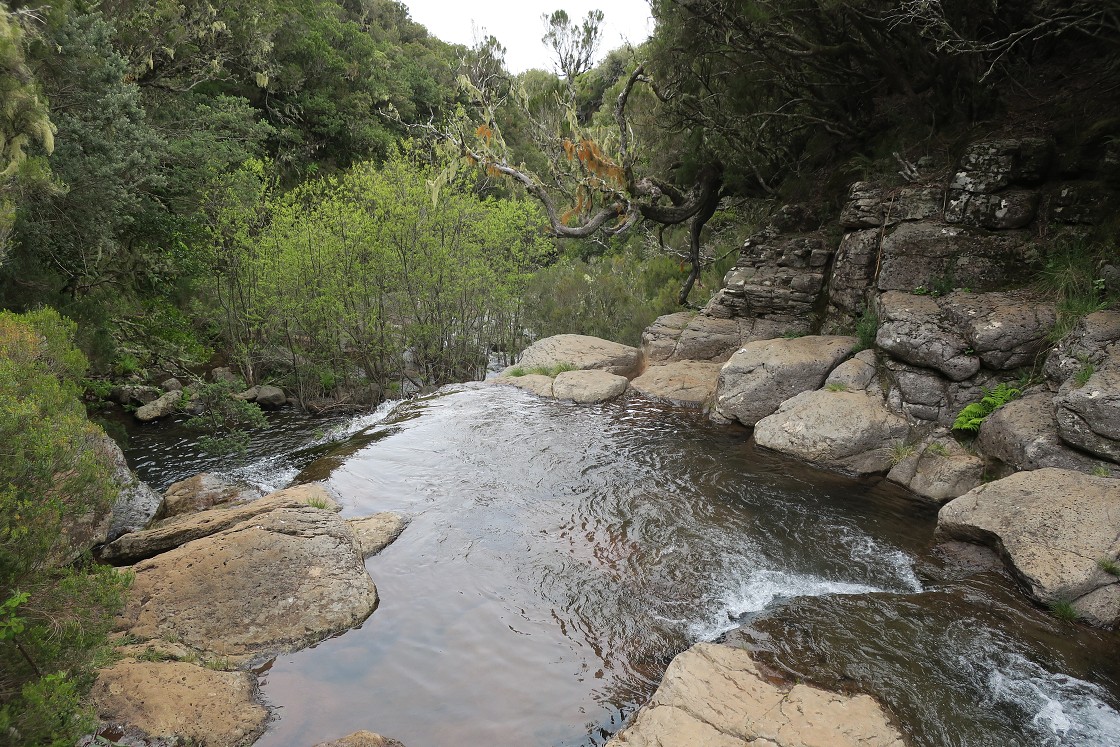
x,y
1070,276
973,415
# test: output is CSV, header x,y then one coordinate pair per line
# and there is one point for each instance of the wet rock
x,y
271,397
181,701
362,739
911,328
581,352
177,531
275,582
849,431
377,532
679,382
716,696
588,387
201,492
765,373
538,384
1024,434
702,337
931,255
939,470
1089,415
167,404
1052,526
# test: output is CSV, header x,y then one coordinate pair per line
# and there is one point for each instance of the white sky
x,y
518,25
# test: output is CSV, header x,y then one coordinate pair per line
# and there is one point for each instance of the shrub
x,y
54,613
971,417
866,328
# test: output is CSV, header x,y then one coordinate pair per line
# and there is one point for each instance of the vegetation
x,y
973,415
900,452
550,371
55,609
1064,611
1109,566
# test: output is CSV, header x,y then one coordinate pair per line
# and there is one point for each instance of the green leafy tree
x,y
573,44
54,613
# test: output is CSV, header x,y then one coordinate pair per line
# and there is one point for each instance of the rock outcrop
x,y
588,386
1088,414
1023,434
271,397
167,404
716,696
272,582
939,470
362,739
377,532
201,492
181,701
689,383
688,336
847,431
538,384
581,352
1055,528
763,374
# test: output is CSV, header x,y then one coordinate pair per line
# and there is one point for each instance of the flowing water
x,y
559,556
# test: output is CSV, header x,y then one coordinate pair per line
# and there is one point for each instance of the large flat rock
x,y
1052,526
362,739
716,696
377,532
176,531
689,383
581,352
849,431
274,582
702,337
200,492
588,387
765,373
181,701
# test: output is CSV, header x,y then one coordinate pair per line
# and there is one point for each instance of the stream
x,y
559,556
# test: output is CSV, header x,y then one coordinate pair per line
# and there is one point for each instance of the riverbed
x,y
559,556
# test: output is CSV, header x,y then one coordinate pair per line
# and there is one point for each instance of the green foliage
x,y
867,326
54,616
900,452
1069,276
974,414
224,420
938,449
1064,611
317,502
550,371
1109,566
1083,374
1101,471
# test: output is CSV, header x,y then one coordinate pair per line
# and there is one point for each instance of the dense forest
x,y
321,195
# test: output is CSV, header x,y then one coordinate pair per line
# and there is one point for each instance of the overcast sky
x,y
519,27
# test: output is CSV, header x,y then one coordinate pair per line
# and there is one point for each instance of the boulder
x,y
929,255
181,701
136,504
1014,208
1053,527
172,385
271,397
1024,435
703,337
717,696
858,373
201,492
538,384
581,352
179,530
1006,330
167,404
853,274
765,373
588,387
1089,415
224,374
362,739
275,582
849,431
912,329
377,532
922,394
134,394
992,165
1092,342
688,383
939,470
249,395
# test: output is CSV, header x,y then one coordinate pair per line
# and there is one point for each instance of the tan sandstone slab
x,y
715,696
177,531
538,384
275,582
581,351
377,532
362,739
179,700
1052,526
682,382
588,387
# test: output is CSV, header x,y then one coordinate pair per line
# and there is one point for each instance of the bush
x,y
54,613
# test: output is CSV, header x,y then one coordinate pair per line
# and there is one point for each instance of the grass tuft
x,y
1064,611
836,387
1109,566
901,452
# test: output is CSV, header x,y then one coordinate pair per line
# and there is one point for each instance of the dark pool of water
x,y
559,556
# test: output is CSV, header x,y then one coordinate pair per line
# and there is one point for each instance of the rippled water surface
x,y
559,556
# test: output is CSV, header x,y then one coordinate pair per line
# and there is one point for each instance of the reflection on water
x,y
559,556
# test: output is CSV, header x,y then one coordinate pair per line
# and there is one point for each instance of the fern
x,y
970,418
